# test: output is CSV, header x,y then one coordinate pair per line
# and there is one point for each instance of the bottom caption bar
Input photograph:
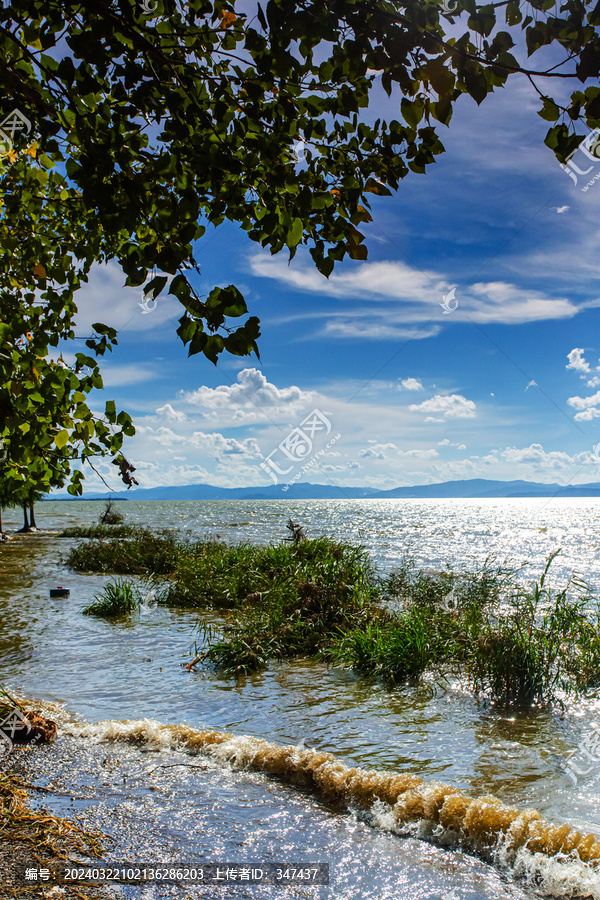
x,y
211,873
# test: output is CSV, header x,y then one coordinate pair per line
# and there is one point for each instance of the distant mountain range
x,y
474,487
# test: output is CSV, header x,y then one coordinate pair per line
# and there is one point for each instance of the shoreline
x,y
38,839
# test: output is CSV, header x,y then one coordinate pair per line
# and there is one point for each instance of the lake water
x,y
162,800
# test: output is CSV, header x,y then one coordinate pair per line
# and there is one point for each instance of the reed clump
x,y
127,550
110,515
118,598
307,597
100,531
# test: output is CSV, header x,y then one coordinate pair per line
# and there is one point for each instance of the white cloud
x,y
587,406
216,444
252,389
121,376
536,454
384,330
448,443
419,454
210,444
587,414
393,295
173,415
576,360
106,299
561,209
377,451
451,406
412,384
252,399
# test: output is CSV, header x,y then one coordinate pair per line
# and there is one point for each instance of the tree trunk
x,y
25,527
31,517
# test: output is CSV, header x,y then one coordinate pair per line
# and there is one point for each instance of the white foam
x,y
485,826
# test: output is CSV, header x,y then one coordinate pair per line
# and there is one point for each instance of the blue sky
x,y
505,386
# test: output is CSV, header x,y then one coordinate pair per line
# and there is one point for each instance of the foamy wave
x,y
556,858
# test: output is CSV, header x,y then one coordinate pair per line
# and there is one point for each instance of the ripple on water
x,y
133,669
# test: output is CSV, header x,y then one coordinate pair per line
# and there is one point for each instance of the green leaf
x,y
550,111
294,235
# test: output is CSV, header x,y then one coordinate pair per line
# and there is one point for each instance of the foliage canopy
x,y
151,126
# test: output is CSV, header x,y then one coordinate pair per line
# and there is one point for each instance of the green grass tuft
x,y
101,531
323,598
118,598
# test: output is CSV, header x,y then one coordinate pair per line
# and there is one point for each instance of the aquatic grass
x,y
526,654
101,531
303,595
323,598
118,598
111,516
138,552
399,649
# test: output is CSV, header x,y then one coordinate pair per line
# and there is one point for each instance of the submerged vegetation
x,y
320,597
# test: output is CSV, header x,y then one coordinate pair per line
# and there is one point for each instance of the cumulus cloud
x,y
412,384
576,360
450,406
584,402
210,444
419,454
252,390
536,454
173,415
447,443
217,445
589,407
377,451
251,399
